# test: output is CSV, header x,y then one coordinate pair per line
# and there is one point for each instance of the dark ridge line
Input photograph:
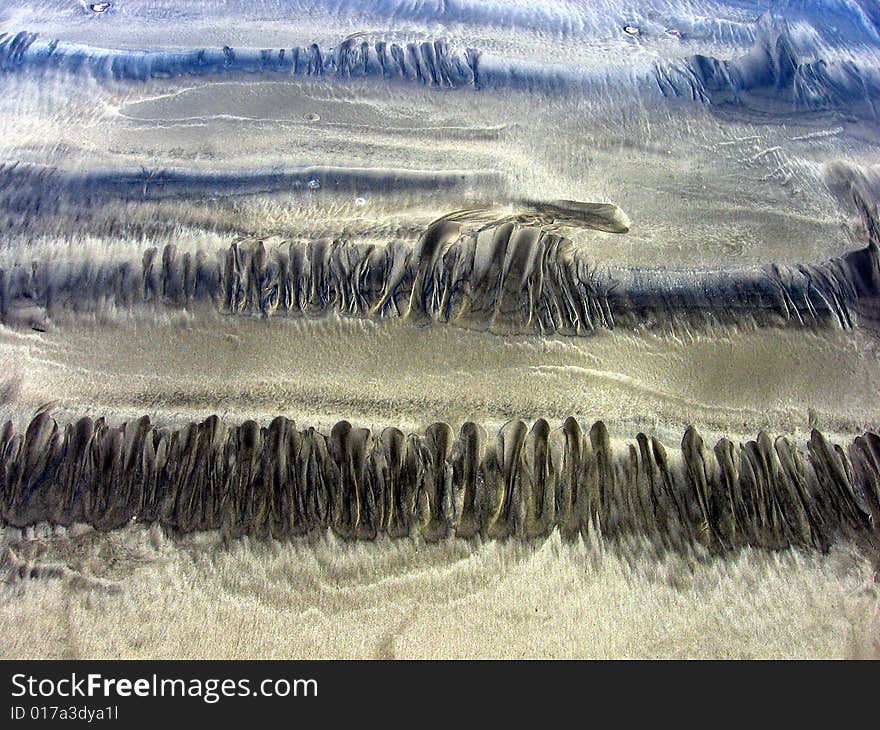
x,y
508,277
770,75
36,190
772,72
431,62
277,481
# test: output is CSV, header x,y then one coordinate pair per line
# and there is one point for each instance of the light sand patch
x,y
393,373
137,593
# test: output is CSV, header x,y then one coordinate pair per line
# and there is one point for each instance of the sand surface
x,y
135,593
575,110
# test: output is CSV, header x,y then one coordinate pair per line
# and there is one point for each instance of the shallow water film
x,y
440,329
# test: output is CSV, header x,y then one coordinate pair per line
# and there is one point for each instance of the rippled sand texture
x,y
425,329
136,593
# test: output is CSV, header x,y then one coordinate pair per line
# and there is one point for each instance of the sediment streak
x,y
524,481
510,277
